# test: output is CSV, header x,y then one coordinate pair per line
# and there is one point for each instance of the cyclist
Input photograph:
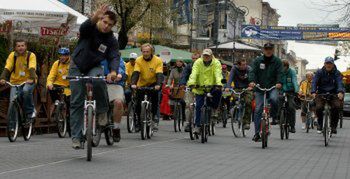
x,y
129,69
96,43
328,80
183,81
290,87
225,72
266,71
148,72
205,71
239,76
116,96
305,91
19,68
57,76
173,81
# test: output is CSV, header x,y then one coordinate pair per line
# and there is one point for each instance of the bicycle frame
x,y
89,102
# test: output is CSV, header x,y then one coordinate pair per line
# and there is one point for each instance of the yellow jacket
x,y
58,74
305,87
129,71
21,72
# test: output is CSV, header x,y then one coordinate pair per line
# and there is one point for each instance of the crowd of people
x,y
97,54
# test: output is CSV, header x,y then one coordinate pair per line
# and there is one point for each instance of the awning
x,y
237,45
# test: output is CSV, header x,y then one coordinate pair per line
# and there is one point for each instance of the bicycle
x,y
224,110
90,129
237,113
177,97
16,117
146,117
326,117
131,115
60,113
283,122
191,113
309,118
265,122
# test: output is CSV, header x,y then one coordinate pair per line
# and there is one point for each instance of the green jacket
x,y
205,75
266,73
290,81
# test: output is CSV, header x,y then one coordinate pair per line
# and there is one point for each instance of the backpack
x,y
37,71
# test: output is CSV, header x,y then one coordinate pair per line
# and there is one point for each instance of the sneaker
x,y
246,126
256,138
197,130
187,128
334,131
102,119
116,135
303,127
155,127
292,129
319,130
76,144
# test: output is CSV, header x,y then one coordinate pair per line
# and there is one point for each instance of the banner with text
x,y
295,33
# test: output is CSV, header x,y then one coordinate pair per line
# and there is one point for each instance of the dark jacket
x,y
93,47
186,74
238,77
327,82
266,72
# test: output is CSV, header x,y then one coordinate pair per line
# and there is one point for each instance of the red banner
x,y
49,31
5,27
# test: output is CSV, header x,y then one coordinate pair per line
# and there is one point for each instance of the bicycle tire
x,y
224,117
13,113
263,134
326,129
341,119
97,137
175,117
286,131
61,120
307,123
27,129
150,122
143,122
109,136
235,123
89,117
130,118
191,124
281,121
180,121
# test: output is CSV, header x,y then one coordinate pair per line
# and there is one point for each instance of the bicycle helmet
x,y
63,51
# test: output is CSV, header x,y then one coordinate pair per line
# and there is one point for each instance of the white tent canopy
x,y
237,45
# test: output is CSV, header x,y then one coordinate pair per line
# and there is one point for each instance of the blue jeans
x,y
212,102
272,97
78,98
26,93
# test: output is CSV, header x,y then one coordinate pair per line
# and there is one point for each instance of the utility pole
x,y
216,26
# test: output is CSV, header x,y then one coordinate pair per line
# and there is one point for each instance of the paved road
x,y
173,155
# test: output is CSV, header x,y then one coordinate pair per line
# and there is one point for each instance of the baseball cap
x,y
329,60
269,45
133,55
207,52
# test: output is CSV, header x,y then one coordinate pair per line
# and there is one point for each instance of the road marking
x,y
80,157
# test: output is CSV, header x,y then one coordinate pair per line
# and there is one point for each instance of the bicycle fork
x,y
86,106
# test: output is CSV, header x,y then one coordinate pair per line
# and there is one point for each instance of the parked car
x,y
346,104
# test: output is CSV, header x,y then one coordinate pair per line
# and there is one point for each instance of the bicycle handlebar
x,y
13,85
85,77
265,89
239,93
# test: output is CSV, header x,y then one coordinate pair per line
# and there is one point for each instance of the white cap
x,y
133,55
207,52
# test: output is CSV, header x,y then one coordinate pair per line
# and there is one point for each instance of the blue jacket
x,y
121,70
327,82
186,74
239,78
290,81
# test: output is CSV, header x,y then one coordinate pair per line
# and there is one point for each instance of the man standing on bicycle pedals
x,y
266,71
328,80
183,81
239,76
148,72
290,87
20,67
206,71
305,92
173,81
57,76
116,96
96,43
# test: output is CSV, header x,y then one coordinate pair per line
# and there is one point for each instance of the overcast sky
x,y
294,12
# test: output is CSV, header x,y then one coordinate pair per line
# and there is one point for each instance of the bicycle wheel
x,y
191,123
326,129
89,136
263,133
204,125
180,121
150,123
341,119
281,121
286,130
130,118
61,120
143,122
175,117
27,129
109,136
307,123
97,137
224,117
236,124
13,118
